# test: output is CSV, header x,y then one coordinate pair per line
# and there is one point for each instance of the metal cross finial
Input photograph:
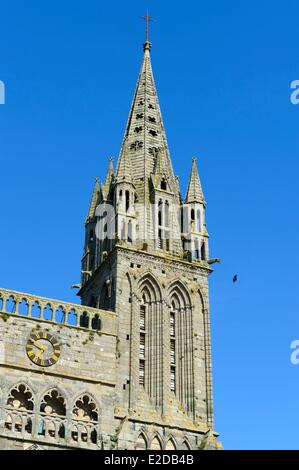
x,y
147,20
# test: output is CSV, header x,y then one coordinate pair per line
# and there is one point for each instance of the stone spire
x,y
144,137
194,191
94,201
106,187
145,132
110,171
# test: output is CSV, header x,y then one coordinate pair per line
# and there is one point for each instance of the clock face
x,y
43,349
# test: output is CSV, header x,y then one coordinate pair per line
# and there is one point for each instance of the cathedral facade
x,y
129,368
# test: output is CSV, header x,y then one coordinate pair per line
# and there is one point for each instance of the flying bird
x,y
235,278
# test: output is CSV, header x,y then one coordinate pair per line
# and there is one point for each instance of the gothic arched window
x,y
52,419
53,403
181,350
104,223
163,185
123,230
141,443
130,231
170,445
203,251
173,349
160,223
196,250
105,297
166,214
19,409
20,397
142,341
156,444
150,338
198,221
85,418
85,409
160,211
127,200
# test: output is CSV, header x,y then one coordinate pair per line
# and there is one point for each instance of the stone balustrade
x,y
50,418
51,310
40,427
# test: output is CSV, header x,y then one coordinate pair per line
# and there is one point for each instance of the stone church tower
x,y
132,364
149,263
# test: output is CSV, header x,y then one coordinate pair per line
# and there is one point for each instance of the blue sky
x,y
223,72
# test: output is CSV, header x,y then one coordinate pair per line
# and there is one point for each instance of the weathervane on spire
x,y
147,20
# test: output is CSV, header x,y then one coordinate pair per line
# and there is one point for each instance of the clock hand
x,y
39,354
39,346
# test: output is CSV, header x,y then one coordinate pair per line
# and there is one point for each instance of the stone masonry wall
x,y
134,410
86,366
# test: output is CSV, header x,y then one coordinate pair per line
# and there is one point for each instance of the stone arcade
x,y
129,368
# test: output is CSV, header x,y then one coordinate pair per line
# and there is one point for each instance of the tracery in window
x,y
19,409
52,420
20,398
85,420
85,409
53,403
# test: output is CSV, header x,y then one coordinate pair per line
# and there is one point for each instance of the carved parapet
x,y
24,305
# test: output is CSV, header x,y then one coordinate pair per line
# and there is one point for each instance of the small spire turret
x,y
110,171
194,191
94,201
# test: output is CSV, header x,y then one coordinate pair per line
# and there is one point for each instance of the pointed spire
x,y
94,201
194,191
145,132
124,168
110,171
106,187
144,136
